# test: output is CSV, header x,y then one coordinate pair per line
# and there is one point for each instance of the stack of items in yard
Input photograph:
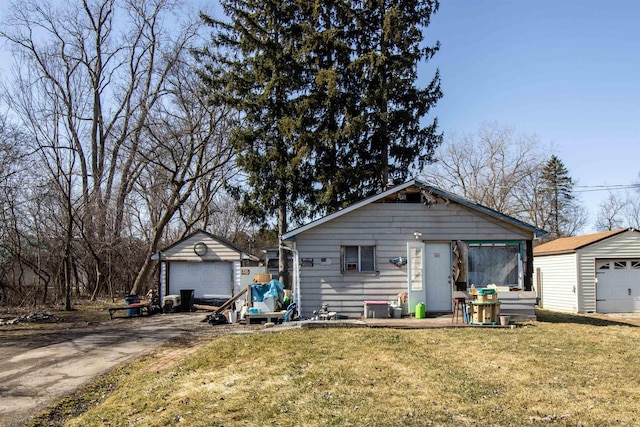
x,y
264,302
485,307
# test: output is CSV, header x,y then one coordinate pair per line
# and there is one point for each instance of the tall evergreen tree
x,y
328,97
388,48
332,102
369,113
254,65
558,188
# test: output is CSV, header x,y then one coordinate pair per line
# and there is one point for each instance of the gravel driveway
x,y
37,370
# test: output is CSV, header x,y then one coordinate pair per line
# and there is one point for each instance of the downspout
x,y
296,277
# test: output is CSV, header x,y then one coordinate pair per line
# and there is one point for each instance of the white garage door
x,y
207,279
618,288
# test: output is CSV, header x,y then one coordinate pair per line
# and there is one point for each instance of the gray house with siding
x,y
593,273
412,239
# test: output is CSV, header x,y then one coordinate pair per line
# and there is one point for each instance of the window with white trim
x,y
358,259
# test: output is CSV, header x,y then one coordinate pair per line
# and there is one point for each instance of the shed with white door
x,y
594,273
412,239
214,268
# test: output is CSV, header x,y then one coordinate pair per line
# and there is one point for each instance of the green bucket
x,y
420,311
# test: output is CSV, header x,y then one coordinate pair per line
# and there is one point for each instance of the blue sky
x,y
566,70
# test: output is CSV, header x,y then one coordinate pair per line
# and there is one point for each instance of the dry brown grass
x,y
562,370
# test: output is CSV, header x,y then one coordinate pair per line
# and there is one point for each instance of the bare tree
x,y
492,168
619,210
503,170
90,73
186,149
610,213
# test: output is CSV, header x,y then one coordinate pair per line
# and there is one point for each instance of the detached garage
x,y
211,266
595,273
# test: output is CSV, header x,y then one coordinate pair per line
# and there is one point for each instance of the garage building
x,y
594,273
214,268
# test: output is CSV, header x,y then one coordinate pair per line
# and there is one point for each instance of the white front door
x,y
438,276
429,276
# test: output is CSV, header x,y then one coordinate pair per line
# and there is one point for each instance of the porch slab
x,y
440,321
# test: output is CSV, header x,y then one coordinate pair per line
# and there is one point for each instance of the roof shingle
x,y
570,244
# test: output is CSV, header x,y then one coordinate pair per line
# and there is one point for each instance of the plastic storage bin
x,y
186,299
132,299
376,309
171,303
487,295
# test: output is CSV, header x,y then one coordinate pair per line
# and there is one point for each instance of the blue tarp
x,y
272,289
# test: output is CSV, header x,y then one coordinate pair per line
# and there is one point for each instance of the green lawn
x,y
561,370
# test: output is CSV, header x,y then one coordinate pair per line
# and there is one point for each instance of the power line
x,y
591,188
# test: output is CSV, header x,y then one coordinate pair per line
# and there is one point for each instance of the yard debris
x,y
217,319
44,316
324,313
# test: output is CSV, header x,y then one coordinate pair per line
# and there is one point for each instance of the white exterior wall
x,y
216,251
559,279
387,226
183,251
623,245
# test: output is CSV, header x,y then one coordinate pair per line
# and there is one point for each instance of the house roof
x,y
222,240
571,244
431,190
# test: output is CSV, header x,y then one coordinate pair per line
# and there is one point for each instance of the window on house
x,y
358,259
497,264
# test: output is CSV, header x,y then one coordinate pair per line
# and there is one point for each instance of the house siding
x,y
216,251
183,252
624,245
388,226
559,279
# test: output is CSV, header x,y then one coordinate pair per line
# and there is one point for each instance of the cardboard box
x,y
485,313
488,297
262,278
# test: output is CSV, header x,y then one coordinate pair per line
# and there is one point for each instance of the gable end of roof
x,y
565,245
425,187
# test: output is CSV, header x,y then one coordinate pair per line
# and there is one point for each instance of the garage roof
x,y
571,244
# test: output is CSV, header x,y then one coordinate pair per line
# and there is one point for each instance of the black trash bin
x,y
132,299
186,299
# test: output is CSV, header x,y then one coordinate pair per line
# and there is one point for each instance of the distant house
x,y
214,268
415,239
594,273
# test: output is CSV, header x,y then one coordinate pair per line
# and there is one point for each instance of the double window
x,y
358,259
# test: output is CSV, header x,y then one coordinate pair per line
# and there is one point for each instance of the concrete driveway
x,y
37,370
